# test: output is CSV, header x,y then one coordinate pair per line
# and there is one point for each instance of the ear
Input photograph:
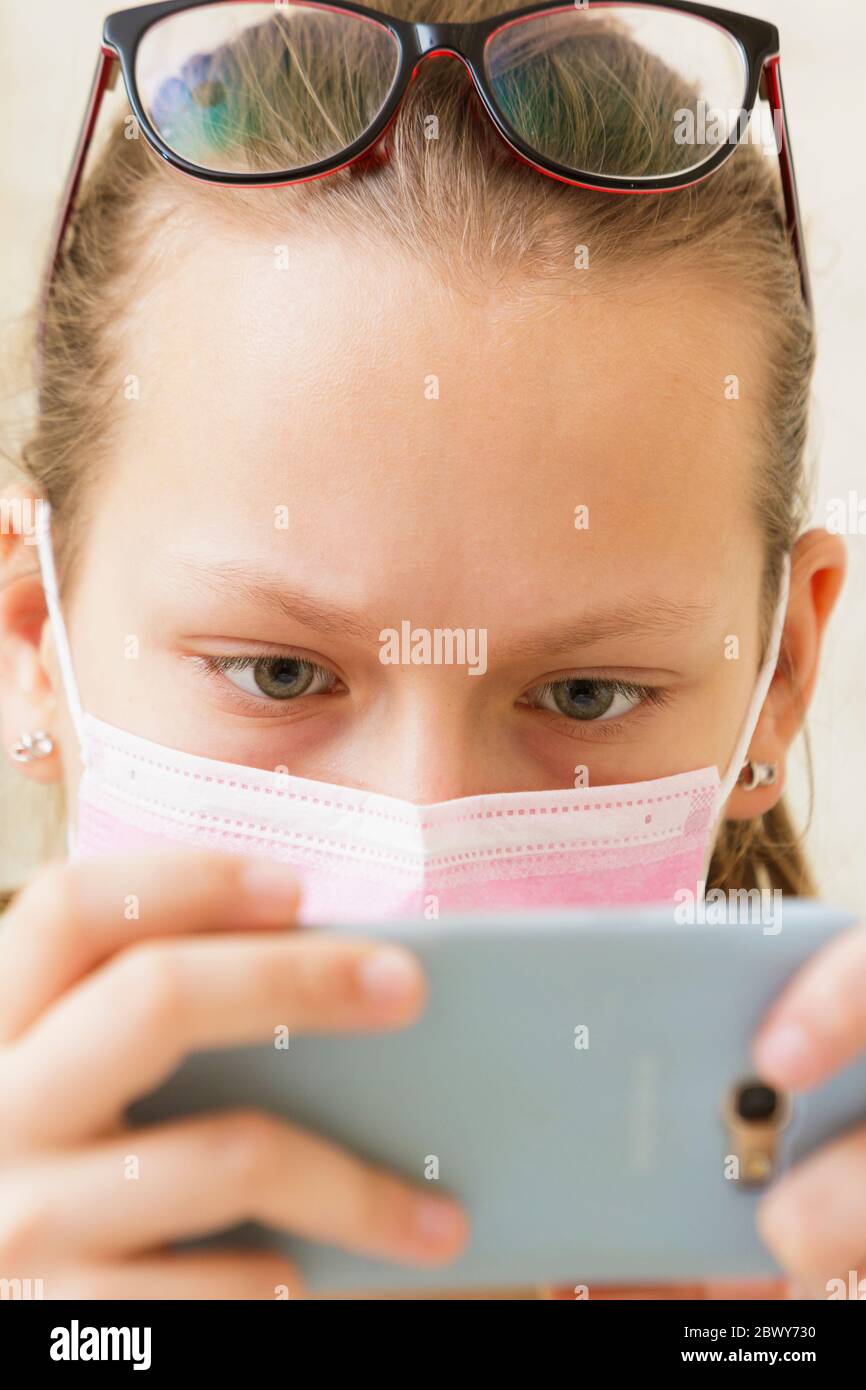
x,y
818,564
27,700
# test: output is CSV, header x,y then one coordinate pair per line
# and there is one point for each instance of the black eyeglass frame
x,y
757,39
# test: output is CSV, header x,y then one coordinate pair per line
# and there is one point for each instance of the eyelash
x,y
216,666
650,695
243,663
645,695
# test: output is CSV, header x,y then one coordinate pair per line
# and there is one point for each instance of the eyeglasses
x,y
634,97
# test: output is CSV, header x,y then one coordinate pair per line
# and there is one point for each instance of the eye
x,y
591,701
274,677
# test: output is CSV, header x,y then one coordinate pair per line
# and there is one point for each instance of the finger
x,y
814,1218
189,1178
71,917
129,1024
229,1274
715,1289
654,1293
751,1289
819,1023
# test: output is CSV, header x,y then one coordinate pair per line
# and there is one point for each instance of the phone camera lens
x,y
756,1102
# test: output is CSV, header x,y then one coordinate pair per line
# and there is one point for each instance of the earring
x,y
757,775
33,746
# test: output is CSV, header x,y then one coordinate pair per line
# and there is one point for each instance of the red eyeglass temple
x,y
771,88
105,77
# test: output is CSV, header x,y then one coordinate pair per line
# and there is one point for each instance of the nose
x,y
423,759
429,740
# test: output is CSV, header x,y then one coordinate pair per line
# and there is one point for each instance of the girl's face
x,y
306,458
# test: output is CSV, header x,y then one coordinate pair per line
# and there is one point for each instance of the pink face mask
x,y
366,857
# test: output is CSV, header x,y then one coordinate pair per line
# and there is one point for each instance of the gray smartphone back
x,y
566,1081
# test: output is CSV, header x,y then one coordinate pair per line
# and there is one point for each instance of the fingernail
x,y
437,1222
387,977
273,890
798,1291
786,1052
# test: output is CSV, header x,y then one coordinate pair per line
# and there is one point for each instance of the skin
x,y
456,511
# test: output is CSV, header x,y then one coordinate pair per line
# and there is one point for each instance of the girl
x,y
279,423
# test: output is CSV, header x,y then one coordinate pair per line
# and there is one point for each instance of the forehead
x,y
412,431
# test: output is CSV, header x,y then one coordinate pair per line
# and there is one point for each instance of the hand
x,y
814,1219
96,1010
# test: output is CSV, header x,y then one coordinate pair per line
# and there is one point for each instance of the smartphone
x,y
581,1080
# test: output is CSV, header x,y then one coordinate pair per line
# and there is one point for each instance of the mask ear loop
x,y
58,626
759,695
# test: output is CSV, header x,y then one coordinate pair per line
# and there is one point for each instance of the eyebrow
x,y
650,615
267,591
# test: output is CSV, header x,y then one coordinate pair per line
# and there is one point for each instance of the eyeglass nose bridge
x,y
440,38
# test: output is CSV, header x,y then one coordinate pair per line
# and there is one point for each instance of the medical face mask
x,y
362,856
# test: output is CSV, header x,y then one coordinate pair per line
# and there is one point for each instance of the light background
x,y
46,60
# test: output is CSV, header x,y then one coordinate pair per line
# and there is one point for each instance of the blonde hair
x,y
466,205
